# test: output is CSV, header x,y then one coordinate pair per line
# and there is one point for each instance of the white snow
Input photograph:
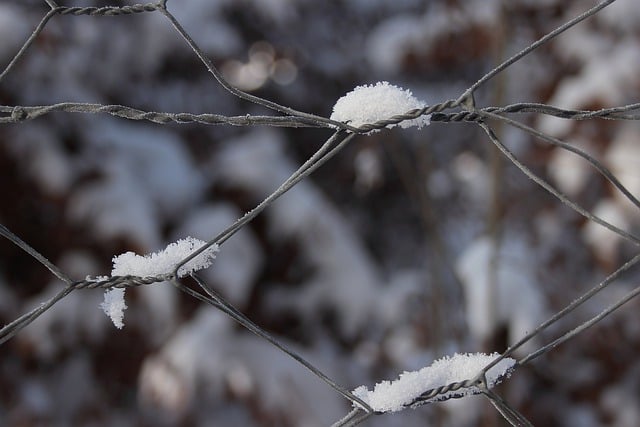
x,y
155,264
114,306
392,396
164,261
371,103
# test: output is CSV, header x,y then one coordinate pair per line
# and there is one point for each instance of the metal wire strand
x,y
353,418
23,49
510,414
214,299
438,392
343,134
566,310
527,50
603,170
237,92
109,10
584,326
551,189
5,232
329,149
16,114
11,329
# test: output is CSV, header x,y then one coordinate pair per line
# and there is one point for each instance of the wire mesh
x,y
463,109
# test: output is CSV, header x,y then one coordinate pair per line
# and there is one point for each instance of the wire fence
x,y
462,109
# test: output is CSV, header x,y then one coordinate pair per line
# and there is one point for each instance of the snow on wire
x,y
372,103
365,105
393,396
155,264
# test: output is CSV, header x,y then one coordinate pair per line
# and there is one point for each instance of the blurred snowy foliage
x,y
355,267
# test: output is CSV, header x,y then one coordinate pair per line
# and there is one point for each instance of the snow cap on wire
x,y
371,103
155,264
164,261
392,396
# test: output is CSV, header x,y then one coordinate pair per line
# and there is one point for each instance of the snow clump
x,y
392,396
114,306
155,264
371,103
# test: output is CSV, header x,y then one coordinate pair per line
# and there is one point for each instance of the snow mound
x,y
155,264
164,261
371,103
392,396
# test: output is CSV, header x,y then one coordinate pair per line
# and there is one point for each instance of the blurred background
x,y
407,246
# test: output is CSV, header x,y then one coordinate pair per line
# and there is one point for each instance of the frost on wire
x,y
155,264
392,396
371,103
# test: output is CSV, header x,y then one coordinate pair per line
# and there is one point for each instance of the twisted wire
x,y
614,113
18,113
435,392
409,115
473,115
21,114
127,281
109,10
291,119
